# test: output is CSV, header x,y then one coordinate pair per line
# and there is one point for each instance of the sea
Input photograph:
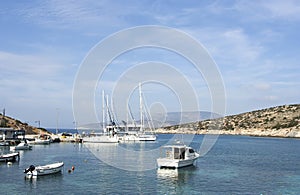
x,y
234,165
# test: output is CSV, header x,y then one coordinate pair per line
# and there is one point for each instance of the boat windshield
x,y
179,153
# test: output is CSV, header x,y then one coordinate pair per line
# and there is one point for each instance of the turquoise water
x,y
235,165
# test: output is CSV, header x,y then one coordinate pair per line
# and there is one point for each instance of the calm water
x,y
235,165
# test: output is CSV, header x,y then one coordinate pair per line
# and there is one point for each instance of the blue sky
x,y
254,44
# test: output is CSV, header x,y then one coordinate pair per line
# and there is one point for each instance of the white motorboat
x,y
42,140
176,156
69,137
9,157
4,143
21,146
44,170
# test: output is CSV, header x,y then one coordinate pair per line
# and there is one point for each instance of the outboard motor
x,y
31,168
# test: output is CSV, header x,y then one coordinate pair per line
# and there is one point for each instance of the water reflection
x,y
135,157
43,181
172,181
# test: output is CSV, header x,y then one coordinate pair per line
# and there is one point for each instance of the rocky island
x,y
279,121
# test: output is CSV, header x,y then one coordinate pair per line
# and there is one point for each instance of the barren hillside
x,y
281,121
6,121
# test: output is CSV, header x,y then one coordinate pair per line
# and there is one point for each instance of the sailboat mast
x,y
103,111
107,109
141,107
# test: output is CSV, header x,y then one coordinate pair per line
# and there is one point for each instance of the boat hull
x,y
138,137
21,146
147,138
9,157
170,163
101,139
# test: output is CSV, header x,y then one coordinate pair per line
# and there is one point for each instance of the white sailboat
x,y
109,134
138,133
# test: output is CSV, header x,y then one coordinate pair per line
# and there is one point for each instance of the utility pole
x,y
2,120
39,122
57,115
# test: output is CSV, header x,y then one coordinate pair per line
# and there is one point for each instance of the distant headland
x,y
279,121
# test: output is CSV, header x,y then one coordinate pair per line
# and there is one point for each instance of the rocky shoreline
x,y
283,133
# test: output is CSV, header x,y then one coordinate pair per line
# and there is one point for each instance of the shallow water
x,y
235,165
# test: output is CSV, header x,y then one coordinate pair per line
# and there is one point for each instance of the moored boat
x,y
101,138
42,139
9,157
69,137
137,132
109,132
21,146
44,170
176,156
4,143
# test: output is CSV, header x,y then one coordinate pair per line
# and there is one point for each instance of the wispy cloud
x,y
33,78
28,65
271,9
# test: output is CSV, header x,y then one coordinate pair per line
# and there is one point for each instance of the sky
x,y
43,44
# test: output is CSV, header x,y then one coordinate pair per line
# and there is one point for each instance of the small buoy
x,y
69,171
73,168
9,163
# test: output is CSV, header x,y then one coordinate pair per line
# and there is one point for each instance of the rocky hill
x,y
6,121
280,121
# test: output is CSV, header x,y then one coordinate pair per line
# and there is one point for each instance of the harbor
x,y
235,161
150,97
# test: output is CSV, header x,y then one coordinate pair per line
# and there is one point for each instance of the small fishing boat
x,y
44,170
42,139
4,143
176,156
9,157
21,146
69,137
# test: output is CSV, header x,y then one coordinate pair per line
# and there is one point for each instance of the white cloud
x,y
233,47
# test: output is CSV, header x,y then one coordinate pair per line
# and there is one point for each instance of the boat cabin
x,y
177,152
